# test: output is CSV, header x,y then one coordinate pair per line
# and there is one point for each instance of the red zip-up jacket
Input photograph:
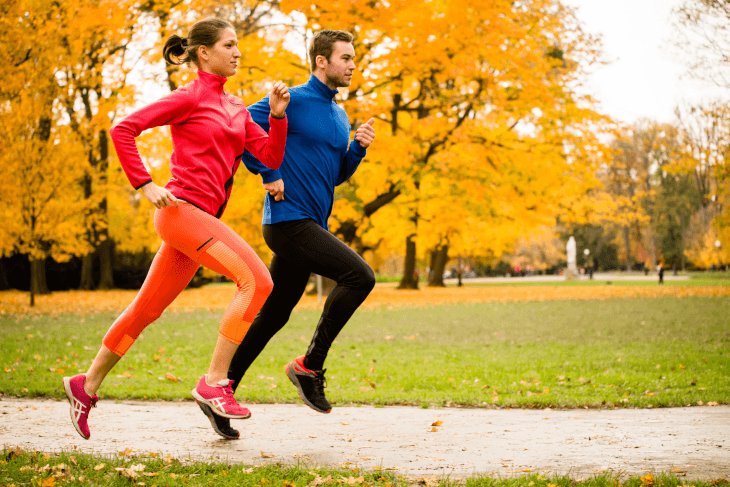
x,y
210,130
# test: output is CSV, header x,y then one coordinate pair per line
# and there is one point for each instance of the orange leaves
x,y
647,480
218,298
171,377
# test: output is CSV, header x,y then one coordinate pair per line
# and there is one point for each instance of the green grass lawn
x,y
621,353
67,468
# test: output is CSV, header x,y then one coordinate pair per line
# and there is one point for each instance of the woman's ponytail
x,y
175,50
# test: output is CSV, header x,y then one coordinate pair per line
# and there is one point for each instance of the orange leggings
x,y
192,237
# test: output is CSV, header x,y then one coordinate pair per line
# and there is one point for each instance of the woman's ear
x,y
203,53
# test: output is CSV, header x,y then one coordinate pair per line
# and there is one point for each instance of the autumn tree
x,y
42,160
705,138
702,29
94,36
433,88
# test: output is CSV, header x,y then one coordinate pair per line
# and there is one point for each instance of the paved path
x,y
579,442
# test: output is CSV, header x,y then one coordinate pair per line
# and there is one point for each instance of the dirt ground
x,y
693,442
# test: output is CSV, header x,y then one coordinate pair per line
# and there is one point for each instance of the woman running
x,y
210,130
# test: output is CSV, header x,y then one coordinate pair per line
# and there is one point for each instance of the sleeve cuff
x,y
143,184
277,118
270,176
357,149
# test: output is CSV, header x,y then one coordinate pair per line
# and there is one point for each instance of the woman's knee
x,y
264,285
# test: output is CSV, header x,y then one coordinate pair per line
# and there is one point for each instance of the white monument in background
x,y
570,248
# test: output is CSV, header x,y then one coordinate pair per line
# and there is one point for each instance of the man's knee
x,y
366,278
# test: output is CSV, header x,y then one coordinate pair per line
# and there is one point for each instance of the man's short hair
x,y
323,43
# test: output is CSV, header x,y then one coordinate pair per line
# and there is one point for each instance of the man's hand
x,y
365,134
275,189
279,99
158,196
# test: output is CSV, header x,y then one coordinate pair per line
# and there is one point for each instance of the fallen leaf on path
x,y
266,455
437,423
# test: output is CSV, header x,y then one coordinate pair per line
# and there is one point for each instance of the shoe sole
x,y
200,398
209,413
294,380
69,396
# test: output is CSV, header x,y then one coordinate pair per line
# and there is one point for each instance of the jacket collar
x,y
321,88
211,80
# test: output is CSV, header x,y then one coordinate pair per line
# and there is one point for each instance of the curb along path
x,y
580,442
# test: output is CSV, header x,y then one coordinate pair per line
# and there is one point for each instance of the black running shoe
x,y
310,384
221,425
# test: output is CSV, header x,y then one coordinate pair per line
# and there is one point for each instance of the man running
x,y
316,160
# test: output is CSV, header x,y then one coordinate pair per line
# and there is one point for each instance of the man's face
x,y
341,65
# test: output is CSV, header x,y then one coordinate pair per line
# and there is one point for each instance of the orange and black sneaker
x,y
309,383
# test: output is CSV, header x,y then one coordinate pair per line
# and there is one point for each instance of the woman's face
x,y
222,58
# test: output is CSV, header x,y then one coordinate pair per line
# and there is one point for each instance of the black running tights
x,y
301,247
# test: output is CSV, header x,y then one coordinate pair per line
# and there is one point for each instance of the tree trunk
x,y
105,252
87,272
4,283
408,280
439,257
627,243
38,283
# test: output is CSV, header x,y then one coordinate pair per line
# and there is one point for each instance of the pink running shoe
x,y
81,403
220,399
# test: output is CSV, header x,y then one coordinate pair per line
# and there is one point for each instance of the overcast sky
x,y
645,79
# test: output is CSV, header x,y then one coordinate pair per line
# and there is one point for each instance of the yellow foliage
x,y
217,298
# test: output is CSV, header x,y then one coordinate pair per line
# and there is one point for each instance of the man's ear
x,y
321,61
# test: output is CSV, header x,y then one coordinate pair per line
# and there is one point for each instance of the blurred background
x,y
503,129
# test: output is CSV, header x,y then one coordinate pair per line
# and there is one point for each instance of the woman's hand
x,y
279,99
158,196
275,189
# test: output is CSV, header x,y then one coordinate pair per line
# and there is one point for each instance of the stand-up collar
x,y
321,88
211,80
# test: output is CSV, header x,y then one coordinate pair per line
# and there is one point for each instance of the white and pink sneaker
x,y
220,399
81,403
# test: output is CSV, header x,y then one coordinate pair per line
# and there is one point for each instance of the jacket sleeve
x,y
259,112
267,148
168,110
351,161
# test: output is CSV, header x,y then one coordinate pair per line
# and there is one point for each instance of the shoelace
x,y
94,400
320,382
228,394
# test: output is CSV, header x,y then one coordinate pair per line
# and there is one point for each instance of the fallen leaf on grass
x,y
131,472
647,480
319,481
100,466
171,377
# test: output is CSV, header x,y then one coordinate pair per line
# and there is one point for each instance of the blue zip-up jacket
x,y
316,158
